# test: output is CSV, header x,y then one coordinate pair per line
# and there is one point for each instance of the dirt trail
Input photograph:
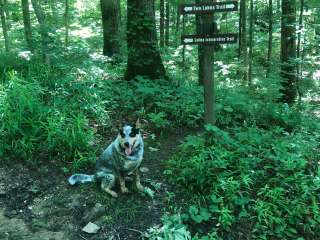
x,y
39,204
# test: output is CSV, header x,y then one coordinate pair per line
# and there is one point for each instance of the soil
x,y
38,204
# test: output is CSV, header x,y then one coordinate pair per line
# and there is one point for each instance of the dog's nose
x,y
126,144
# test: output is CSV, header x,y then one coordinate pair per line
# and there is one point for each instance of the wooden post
x,y
206,71
207,37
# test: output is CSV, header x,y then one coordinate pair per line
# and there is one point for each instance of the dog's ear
x,y
138,125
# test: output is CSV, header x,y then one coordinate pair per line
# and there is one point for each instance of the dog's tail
x,y
81,178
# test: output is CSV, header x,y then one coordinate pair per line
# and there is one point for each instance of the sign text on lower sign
x,y
209,39
210,7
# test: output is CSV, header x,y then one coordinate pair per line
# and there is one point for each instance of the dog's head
x,y
128,137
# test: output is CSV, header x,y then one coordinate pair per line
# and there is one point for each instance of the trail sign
x,y
208,36
210,7
205,39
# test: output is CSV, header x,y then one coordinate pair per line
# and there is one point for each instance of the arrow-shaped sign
x,y
187,40
210,7
187,9
202,39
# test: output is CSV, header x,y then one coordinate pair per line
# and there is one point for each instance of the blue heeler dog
x,y
121,158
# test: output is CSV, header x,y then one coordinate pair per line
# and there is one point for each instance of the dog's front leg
x,y
138,183
123,187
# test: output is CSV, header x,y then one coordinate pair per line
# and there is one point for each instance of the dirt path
x,y
40,205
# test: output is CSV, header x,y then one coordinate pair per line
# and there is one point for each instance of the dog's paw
x,y
113,194
140,187
124,190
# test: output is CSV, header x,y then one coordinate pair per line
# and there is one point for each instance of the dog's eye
x,y
132,134
122,134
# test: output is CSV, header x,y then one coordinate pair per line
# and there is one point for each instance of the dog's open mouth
x,y
128,150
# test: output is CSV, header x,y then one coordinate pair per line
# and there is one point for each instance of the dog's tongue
x,y
128,150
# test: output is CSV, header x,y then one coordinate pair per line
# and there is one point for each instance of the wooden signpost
x,y
208,38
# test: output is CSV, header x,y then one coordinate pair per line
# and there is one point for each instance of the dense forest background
x,y
71,71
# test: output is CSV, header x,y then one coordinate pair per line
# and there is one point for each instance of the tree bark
x,y
110,11
200,51
27,24
162,23
299,65
250,44
270,31
53,6
4,25
143,53
45,39
178,19
66,23
288,51
243,38
167,23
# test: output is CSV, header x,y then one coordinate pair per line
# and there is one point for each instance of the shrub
x,y
31,130
22,118
252,182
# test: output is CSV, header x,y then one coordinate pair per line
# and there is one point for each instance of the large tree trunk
x,y
143,53
27,24
66,23
243,38
110,11
54,10
178,19
45,39
161,23
167,22
200,50
250,44
299,65
270,30
4,25
288,51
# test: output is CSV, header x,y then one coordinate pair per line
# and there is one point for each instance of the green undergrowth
x,y
65,112
251,182
46,114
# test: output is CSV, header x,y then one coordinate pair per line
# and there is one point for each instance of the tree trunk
x,y
27,24
250,44
167,22
45,39
288,51
53,6
200,50
6,10
66,22
4,25
110,11
161,23
184,46
143,53
299,65
178,19
270,30
243,38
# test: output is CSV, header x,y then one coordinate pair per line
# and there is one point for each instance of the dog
x,y
120,159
